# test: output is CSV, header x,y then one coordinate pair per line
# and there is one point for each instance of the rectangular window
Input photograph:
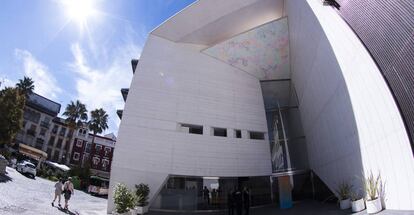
x,y
42,132
98,148
56,156
256,135
55,129
31,115
62,131
192,129
49,153
88,147
95,161
237,133
51,140
107,151
79,143
220,132
59,143
67,145
39,143
105,164
76,156
85,159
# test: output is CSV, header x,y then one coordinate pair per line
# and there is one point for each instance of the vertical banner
x,y
285,192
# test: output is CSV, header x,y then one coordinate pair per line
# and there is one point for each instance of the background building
x,y
97,155
269,94
40,128
45,136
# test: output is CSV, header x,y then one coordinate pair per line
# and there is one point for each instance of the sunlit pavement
x,y
299,208
22,195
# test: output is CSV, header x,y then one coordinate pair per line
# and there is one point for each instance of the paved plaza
x,y
22,195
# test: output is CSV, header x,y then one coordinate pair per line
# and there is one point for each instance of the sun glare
x,y
79,10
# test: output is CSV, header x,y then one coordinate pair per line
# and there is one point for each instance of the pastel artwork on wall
x,y
262,51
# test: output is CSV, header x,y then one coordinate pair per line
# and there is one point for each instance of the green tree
x,y
76,116
98,122
25,86
11,114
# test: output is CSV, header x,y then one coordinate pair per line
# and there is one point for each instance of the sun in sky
x,y
79,11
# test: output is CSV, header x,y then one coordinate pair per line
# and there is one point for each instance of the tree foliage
x,y
99,121
25,86
76,114
11,114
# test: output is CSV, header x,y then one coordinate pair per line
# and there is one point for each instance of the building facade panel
x,y
390,40
177,86
349,115
190,116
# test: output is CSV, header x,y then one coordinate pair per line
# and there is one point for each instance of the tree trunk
x,y
71,140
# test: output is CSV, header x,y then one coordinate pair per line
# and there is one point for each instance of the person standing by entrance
x,y
68,191
58,192
246,200
206,195
238,200
230,202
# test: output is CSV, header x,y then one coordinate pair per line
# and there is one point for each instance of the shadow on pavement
x,y
67,211
5,178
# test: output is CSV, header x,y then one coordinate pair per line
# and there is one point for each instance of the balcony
x,y
44,124
119,113
134,63
69,134
124,92
31,132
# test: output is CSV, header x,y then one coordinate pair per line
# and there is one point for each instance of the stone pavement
x,y
300,208
22,195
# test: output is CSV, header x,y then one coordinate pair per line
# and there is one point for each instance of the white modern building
x,y
269,94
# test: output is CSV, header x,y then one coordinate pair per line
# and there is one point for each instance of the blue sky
x,y
69,60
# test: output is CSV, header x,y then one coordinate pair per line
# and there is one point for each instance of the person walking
x,y
246,200
68,191
58,192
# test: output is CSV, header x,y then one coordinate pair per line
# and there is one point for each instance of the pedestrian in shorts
x,y
67,191
58,192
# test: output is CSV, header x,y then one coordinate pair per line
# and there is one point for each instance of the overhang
x,y
209,22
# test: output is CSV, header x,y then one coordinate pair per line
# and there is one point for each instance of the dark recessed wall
x,y
386,27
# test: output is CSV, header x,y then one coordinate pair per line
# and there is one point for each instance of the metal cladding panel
x,y
386,27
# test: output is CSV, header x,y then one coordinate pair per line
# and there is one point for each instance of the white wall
x,y
176,83
350,119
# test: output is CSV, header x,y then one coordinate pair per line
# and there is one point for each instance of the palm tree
x,y
98,122
25,86
76,116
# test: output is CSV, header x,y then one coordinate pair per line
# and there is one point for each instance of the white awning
x,y
59,166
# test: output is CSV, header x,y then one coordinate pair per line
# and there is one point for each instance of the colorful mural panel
x,y
262,51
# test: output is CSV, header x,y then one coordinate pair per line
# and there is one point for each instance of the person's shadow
x,y
67,211
5,178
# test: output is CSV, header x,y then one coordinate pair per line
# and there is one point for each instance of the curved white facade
x,y
351,122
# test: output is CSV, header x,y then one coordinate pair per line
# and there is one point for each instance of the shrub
x,y
76,182
142,192
371,186
124,199
52,178
343,191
